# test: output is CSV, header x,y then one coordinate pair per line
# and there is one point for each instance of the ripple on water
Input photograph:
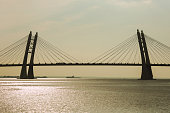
x,y
85,95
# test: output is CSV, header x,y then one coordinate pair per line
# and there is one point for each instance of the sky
x,y
85,29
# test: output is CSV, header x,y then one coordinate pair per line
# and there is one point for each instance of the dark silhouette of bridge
x,y
138,50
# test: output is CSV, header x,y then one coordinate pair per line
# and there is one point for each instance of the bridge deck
x,y
83,64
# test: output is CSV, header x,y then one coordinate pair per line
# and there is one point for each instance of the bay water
x,y
83,95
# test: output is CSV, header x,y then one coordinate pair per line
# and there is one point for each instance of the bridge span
x,y
82,64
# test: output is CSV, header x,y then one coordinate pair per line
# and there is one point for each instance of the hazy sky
x,y
84,28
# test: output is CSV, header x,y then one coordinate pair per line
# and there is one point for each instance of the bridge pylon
x,y
30,49
23,74
146,66
31,69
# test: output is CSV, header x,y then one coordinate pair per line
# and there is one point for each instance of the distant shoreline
x,y
18,77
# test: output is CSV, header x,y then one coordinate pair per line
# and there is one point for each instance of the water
x,y
77,95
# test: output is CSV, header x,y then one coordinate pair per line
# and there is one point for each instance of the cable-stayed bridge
x,y
138,50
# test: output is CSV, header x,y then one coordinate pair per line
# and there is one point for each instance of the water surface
x,y
77,95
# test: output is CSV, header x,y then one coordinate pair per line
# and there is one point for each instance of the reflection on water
x,y
84,95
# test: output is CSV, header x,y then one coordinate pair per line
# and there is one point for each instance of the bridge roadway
x,y
83,64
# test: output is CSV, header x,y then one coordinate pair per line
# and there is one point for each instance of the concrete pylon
x,y
23,74
146,67
31,69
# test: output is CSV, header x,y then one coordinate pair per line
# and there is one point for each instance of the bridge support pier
x,y
30,48
146,67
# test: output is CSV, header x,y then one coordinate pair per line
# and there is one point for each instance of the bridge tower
x,y
30,49
146,67
23,74
31,69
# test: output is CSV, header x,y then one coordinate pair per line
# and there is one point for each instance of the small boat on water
x,y
72,77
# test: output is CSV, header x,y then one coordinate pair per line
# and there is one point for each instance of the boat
x,y
72,77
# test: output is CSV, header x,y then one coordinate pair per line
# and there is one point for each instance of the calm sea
x,y
77,95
